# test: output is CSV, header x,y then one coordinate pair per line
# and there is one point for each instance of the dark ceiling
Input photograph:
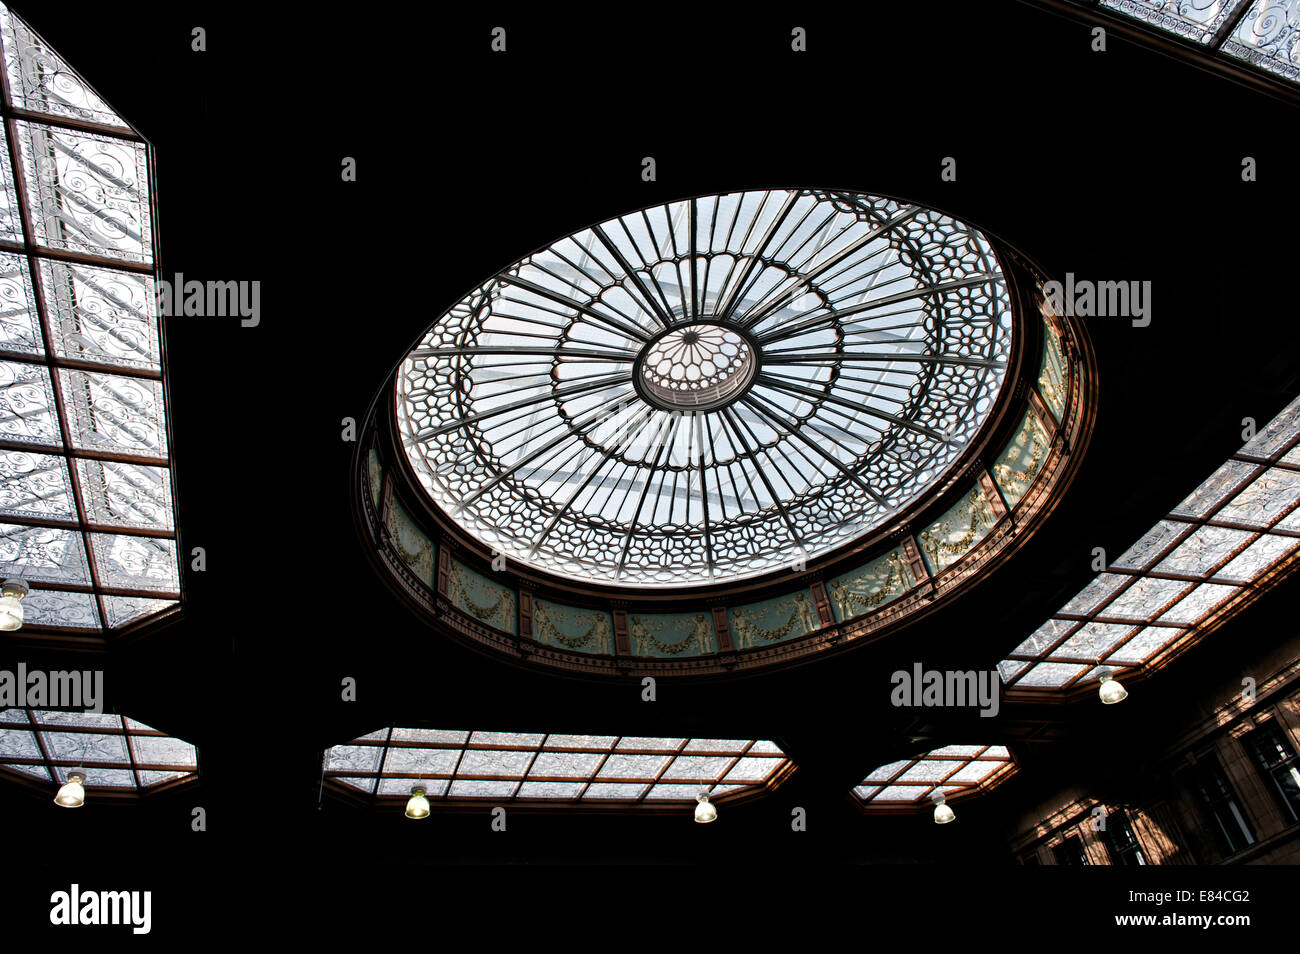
x,y
1121,165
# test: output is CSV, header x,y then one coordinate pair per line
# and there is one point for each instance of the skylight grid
x,y
87,511
462,765
1236,528
1262,33
119,755
956,771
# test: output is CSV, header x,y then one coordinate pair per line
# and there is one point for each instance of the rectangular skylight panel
x,y
549,790
566,764
88,194
35,485
1202,600
1094,594
159,750
697,767
353,758
629,790
43,554
1268,36
1218,488
1203,549
114,414
1093,640
1144,598
1044,637
117,493
100,315
633,766
1051,675
927,771
973,774
27,407
1153,543
900,793
1145,644
60,608
734,746
957,750
20,328
421,761
489,762
1257,557
82,747
477,788
18,744
1195,20
110,777
94,720
1264,499
886,772
136,563
650,745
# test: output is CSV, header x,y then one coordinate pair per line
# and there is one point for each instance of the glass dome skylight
x,y
710,389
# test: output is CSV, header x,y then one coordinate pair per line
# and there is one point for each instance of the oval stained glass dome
x,y
711,389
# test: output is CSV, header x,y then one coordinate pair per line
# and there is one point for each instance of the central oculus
x,y
700,366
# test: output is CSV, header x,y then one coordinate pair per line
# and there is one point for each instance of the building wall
x,y
1169,819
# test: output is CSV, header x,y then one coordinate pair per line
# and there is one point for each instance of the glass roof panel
x,y
61,608
42,554
35,485
20,327
1246,492
1268,36
135,563
611,422
115,753
1194,19
100,315
87,196
956,770
114,414
39,79
27,405
87,193
538,767
115,493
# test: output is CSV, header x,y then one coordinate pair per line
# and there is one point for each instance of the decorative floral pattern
x,y
679,634
954,534
869,587
1018,466
486,601
586,631
412,544
783,617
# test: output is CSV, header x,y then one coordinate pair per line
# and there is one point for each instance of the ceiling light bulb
x,y
704,810
1110,690
71,793
417,806
11,606
942,813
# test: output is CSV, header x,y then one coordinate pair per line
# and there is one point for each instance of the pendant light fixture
x,y
72,794
417,806
942,813
705,812
1109,688
11,606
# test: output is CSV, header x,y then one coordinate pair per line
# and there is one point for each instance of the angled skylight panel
x,y
1235,528
954,770
1268,36
460,765
1197,20
118,754
86,498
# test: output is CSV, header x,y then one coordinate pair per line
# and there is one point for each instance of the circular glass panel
x,y
707,390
